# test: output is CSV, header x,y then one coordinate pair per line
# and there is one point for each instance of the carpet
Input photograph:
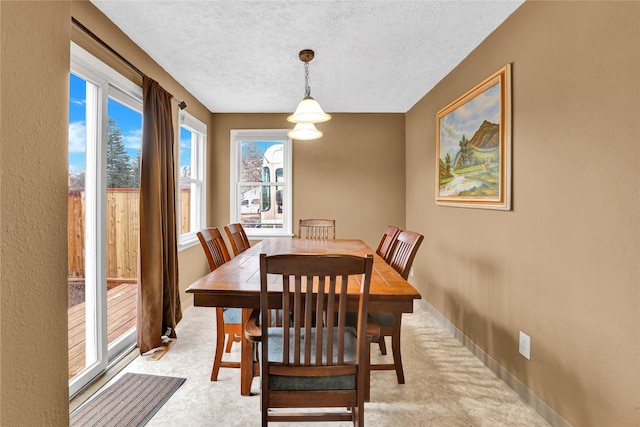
x,y
130,401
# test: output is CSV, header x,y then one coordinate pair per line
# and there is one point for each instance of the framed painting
x,y
473,146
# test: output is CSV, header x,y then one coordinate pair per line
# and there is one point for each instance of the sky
x,y
129,121
466,119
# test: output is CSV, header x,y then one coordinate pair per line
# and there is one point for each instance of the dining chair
x,y
237,238
313,360
228,320
401,258
317,229
386,242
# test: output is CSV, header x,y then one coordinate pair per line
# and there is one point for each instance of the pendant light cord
x,y
307,88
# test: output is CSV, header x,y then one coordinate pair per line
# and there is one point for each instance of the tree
x,y
251,163
466,154
135,171
118,164
76,180
448,164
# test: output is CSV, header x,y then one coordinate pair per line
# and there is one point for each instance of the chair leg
x,y
217,359
230,341
367,376
264,405
395,347
362,393
382,344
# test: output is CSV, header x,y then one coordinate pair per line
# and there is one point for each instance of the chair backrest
x,y
314,291
237,238
404,251
317,229
386,243
214,247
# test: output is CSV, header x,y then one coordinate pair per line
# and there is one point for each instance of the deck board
x,y
121,316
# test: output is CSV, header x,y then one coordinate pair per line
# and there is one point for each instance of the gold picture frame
x,y
473,146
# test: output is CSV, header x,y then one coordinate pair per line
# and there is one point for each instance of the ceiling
x,y
370,56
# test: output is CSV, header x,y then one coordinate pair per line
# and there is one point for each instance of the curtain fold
x,y
158,292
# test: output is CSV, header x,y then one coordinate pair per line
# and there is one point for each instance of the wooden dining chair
x,y
228,320
317,229
404,251
237,238
313,360
386,242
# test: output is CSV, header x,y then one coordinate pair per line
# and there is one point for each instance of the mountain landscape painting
x,y
473,146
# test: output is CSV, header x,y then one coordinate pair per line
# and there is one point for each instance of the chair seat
x,y
337,382
383,319
233,316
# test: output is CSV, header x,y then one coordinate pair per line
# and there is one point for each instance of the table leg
x,y
246,358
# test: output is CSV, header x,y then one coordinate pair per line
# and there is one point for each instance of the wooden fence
x,y
123,231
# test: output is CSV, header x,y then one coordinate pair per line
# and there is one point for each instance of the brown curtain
x,y
158,292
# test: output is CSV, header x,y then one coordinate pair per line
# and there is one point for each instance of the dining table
x,y
236,283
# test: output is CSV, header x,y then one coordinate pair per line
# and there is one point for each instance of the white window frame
x,y
236,138
198,179
107,83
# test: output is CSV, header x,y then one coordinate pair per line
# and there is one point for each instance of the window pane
x,y
185,152
261,161
253,199
124,139
186,166
75,225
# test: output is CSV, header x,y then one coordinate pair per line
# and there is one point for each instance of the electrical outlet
x,y
411,272
525,345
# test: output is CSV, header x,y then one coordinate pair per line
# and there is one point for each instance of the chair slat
x,y
385,246
321,229
237,237
285,319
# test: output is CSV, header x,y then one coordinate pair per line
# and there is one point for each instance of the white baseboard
x,y
546,412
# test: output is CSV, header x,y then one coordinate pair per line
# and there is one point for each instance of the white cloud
x,y
133,139
77,137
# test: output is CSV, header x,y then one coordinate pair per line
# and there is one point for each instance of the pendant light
x,y
304,131
308,111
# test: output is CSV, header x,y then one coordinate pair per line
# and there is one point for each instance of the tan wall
x,y
354,173
563,265
33,187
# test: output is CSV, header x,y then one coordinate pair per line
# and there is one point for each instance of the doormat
x,y
130,401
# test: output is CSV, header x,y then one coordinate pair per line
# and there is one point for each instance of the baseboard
x,y
546,412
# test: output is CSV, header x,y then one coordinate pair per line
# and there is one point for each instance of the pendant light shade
x,y
304,131
309,111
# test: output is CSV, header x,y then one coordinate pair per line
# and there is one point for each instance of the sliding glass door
x,y
105,125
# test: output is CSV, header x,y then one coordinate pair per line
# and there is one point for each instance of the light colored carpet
x,y
445,384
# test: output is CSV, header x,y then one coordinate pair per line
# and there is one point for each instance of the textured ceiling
x,y
370,56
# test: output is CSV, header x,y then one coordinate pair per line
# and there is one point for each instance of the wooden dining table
x,y
237,284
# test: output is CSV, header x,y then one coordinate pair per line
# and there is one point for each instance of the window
x,y
261,186
191,187
105,128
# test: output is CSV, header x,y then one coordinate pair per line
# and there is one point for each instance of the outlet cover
x,y
525,345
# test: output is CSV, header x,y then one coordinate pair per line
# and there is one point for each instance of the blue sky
x,y
128,120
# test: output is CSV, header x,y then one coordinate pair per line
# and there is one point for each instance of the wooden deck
x,y
121,316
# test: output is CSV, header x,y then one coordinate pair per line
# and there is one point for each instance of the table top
x,y
237,282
